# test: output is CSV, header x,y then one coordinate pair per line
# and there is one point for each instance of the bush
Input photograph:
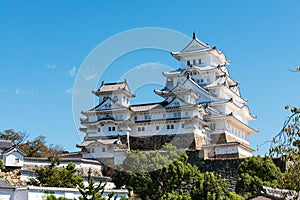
x,y
255,172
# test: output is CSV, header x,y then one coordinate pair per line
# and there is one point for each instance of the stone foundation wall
x,y
13,176
227,168
157,141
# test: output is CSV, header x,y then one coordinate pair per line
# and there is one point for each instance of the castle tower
x,y
106,125
227,112
202,109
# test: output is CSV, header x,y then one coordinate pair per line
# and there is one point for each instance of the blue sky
x,y
43,44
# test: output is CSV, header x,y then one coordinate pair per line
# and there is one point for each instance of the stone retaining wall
x,y
227,168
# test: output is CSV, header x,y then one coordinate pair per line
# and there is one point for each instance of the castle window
x,y
194,62
124,98
141,129
170,126
147,117
135,118
182,125
200,61
202,80
164,115
108,105
177,114
99,129
111,128
115,98
17,160
157,128
188,63
103,149
176,104
212,126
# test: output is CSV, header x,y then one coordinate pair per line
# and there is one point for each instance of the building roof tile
x,y
5,185
5,144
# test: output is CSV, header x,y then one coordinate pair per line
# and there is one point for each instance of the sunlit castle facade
x,y
202,110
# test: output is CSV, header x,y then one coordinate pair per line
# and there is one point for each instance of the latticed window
x,y
170,126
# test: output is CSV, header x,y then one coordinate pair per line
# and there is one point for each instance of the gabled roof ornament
x,y
194,35
188,75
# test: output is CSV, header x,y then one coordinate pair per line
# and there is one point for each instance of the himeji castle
x,y
202,110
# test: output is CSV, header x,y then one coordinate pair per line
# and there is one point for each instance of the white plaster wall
x,y
20,194
64,164
39,194
226,150
92,118
244,152
98,154
119,157
26,176
237,134
6,195
10,159
205,59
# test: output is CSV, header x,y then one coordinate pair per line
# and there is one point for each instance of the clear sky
x,y
43,44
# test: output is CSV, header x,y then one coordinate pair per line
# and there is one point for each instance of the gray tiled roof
x,y
109,87
83,160
4,184
106,141
146,107
6,144
14,148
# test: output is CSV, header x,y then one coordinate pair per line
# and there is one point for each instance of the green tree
x,y
33,148
14,136
93,191
287,141
211,187
53,197
1,165
255,172
286,144
175,196
166,174
54,176
36,147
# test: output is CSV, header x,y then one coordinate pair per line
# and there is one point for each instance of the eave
x,y
228,144
234,120
102,93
